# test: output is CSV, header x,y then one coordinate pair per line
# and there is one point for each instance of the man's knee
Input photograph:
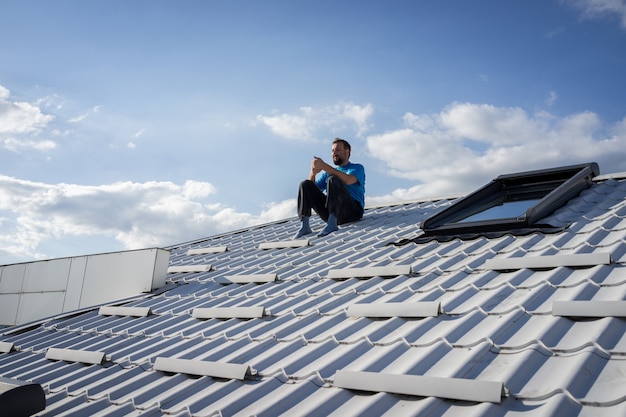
x,y
307,185
334,182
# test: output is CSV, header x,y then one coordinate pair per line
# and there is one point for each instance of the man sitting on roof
x,y
337,194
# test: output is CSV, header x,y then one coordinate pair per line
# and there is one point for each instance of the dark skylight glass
x,y
513,201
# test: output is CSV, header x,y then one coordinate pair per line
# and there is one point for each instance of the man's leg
x,y
342,208
309,197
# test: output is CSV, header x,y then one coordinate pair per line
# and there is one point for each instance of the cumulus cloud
x,y
20,123
137,215
466,145
82,117
593,9
312,123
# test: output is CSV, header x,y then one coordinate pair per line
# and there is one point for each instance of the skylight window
x,y
512,201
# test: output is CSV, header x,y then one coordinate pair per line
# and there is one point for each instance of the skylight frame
x,y
554,186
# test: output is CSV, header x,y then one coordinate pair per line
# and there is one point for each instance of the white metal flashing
x,y
614,176
228,312
74,355
402,309
285,244
6,347
189,268
203,251
552,261
609,308
369,272
203,368
423,386
252,278
124,311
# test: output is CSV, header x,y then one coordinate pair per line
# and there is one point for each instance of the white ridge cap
x,y
228,312
207,250
189,268
285,244
608,308
397,309
251,278
74,355
369,272
124,311
549,261
422,386
6,347
203,368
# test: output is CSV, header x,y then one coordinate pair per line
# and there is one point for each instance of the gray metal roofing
x,y
474,327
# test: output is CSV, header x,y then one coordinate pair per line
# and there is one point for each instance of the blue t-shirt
x,y
356,190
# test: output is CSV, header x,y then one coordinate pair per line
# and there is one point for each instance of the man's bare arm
x,y
318,165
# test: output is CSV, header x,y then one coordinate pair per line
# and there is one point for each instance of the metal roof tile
x,y
495,325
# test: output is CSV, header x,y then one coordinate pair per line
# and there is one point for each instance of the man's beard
x,y
337,160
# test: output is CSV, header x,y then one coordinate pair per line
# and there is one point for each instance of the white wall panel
x,y
47,275
12,278
35,290
36,305
117,275
8,308
75,283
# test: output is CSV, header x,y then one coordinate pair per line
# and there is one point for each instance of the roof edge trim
x,y
605,308
202,368
423,386
395,309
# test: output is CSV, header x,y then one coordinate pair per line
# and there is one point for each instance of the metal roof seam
x,y
563,391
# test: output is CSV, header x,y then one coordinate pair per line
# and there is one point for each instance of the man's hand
x,y
318,164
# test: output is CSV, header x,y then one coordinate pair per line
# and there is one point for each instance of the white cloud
x,y
313,123
13,144
289,126
592,9
136,215
139,133
551,99
82,117
466,145
20,122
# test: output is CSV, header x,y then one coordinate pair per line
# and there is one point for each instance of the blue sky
x,y
131,124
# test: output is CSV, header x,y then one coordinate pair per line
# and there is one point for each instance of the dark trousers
x,y
337,200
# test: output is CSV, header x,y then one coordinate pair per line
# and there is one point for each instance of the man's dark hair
x,y
345,143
